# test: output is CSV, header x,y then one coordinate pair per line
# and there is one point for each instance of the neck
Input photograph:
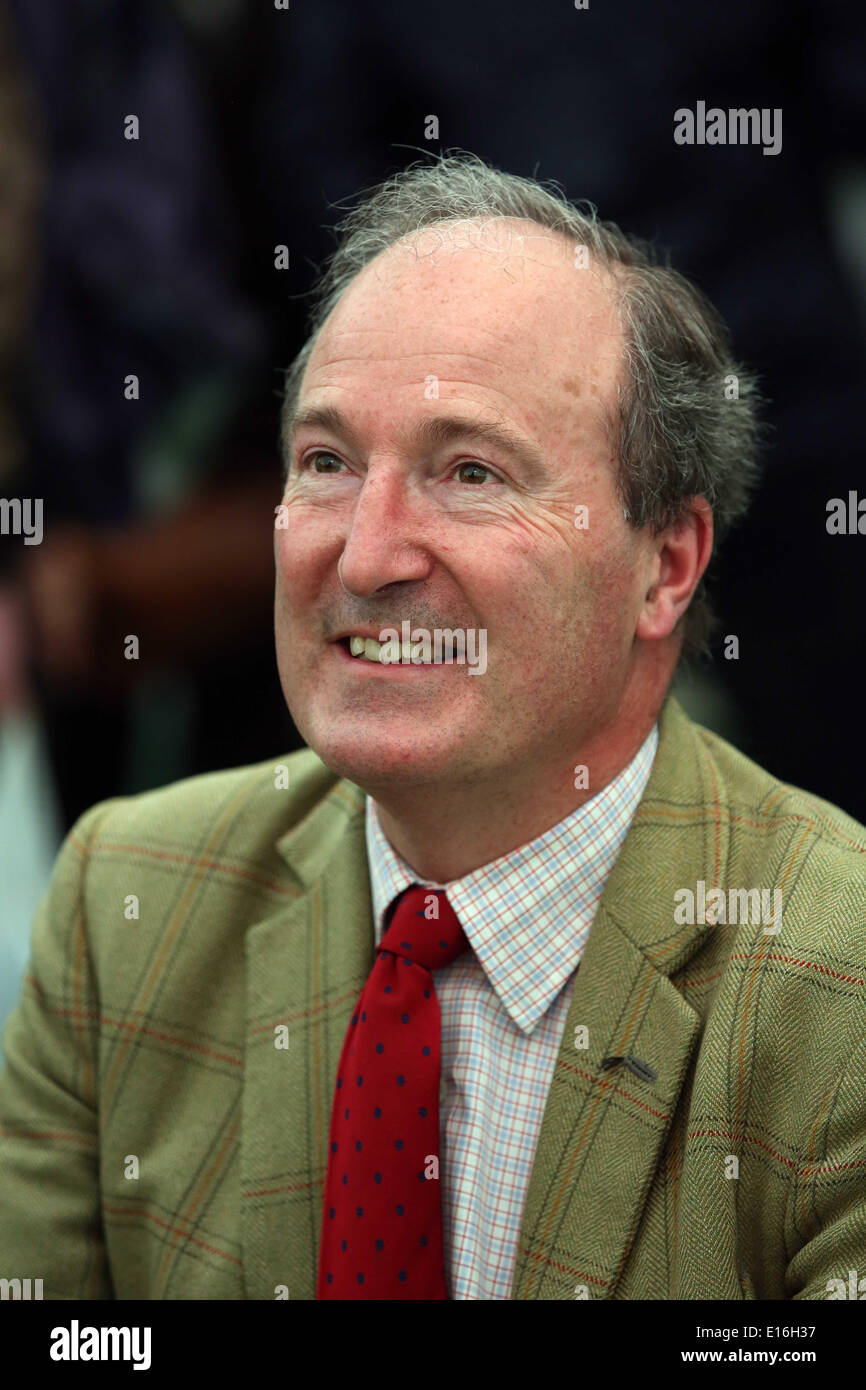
x,y
446,832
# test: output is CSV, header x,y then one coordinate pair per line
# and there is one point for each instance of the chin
x,y
369,763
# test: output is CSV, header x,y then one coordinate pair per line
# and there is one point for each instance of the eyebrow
x,y
429,432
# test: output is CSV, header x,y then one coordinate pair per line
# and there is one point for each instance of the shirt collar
x,y
527,914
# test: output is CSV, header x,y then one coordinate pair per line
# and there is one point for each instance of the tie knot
x,y
423,928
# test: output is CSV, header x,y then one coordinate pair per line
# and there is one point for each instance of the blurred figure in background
x,y
29,826
137,283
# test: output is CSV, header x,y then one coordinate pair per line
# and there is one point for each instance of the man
x,y
634,1068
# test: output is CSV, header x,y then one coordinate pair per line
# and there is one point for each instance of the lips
x,y
372,632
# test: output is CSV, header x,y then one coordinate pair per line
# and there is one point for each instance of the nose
x,y
384,542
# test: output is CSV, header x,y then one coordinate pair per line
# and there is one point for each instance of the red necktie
x,y
382,1211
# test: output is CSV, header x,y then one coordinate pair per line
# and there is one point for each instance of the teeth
x,y
367,647
370,649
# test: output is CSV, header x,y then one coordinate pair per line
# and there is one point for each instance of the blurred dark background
x,y
155,257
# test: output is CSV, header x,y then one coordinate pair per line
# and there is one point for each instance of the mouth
x,y
365,659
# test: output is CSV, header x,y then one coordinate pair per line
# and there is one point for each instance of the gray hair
x,y
685,422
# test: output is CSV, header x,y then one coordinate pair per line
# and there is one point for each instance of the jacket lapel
x,y
604,1127
306,967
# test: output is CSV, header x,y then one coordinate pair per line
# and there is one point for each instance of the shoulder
x,y
248,807
785,838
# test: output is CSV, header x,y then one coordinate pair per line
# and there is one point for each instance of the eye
x,y
308,464
479,468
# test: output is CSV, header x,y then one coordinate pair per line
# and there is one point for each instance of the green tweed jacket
x,y
170,1068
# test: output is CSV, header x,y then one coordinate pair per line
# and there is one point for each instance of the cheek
x,y
611,563
283,553
299,555
283,572
596,603
613,581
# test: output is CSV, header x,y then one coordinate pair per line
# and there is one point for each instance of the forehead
x,y
501,305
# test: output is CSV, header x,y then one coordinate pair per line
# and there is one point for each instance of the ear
x,y
682,554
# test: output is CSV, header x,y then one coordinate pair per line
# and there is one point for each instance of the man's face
x,y
488,323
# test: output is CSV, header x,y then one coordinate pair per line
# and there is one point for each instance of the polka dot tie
x,y
382,1212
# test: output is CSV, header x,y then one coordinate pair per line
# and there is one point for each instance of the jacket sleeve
x,y
829,1197
50,1224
